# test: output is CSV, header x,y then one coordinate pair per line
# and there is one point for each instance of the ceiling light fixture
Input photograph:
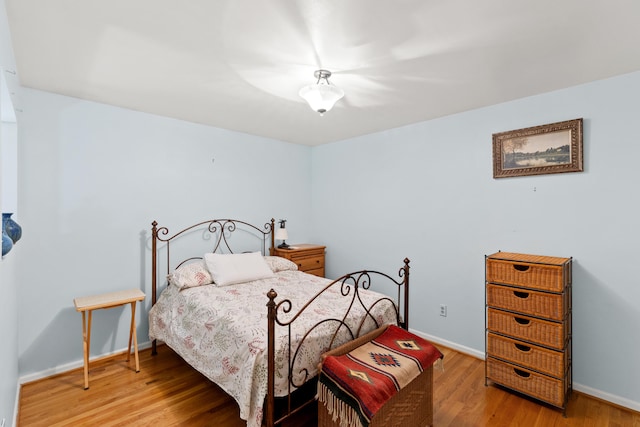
x,y
321,96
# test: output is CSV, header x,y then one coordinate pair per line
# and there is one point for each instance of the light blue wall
x,y
426,192
93,177
8,338
8,277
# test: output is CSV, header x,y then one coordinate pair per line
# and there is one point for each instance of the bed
x,y
260,335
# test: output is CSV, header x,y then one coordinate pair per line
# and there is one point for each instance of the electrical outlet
x,y
443,310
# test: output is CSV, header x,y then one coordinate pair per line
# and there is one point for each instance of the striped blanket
x,y
356,385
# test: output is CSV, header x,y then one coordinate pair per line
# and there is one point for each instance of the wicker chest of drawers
x,y
528,325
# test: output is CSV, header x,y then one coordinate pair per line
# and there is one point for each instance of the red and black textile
x,y
358,383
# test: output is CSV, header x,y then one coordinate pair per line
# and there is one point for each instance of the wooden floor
x,y
167,392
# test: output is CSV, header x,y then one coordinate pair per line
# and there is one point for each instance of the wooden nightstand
x,y
309,258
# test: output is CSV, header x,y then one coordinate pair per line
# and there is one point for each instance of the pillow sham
x,y
277,264
190,275
230,269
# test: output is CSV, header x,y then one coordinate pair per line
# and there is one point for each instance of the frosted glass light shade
x,y
321,96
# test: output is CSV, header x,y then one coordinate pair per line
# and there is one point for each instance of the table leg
x,y
132,333
89,337
86,343
131,329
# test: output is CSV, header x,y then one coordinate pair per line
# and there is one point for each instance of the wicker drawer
x,y
540,359
544,332
537,385
541,304
535,276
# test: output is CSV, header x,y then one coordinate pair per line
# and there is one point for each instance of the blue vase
x,y
13,230
7,244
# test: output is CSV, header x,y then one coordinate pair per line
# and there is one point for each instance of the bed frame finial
x,y
273,240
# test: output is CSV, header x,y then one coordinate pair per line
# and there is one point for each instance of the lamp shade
x,y
281,234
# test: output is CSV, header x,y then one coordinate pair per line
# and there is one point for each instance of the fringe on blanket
x,y
338,409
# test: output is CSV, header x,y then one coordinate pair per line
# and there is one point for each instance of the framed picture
x,y
538,150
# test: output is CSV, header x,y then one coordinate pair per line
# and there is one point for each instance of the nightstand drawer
x,y
540,304
309,263
316,272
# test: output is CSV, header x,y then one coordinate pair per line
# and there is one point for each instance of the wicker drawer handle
x,y
521,267
522,295
522,348
521,321
522,374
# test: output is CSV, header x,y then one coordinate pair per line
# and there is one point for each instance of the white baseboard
x,y
73,365
16,405
462,349
598,394
608,397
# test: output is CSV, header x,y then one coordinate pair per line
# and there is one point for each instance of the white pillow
x,y
277,264
190,275
229,269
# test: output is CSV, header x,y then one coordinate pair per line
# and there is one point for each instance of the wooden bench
x,y
412,405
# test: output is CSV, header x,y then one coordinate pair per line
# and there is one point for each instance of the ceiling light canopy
x,y
321,96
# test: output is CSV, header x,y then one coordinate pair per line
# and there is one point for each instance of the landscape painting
x,y
552,148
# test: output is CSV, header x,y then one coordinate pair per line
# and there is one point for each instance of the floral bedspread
x,y
222,331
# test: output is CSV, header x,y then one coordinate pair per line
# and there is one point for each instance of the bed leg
x,y
271,351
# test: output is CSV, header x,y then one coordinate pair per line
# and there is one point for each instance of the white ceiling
x,y
238,64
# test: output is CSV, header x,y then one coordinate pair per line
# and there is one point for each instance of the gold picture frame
x,y
538,150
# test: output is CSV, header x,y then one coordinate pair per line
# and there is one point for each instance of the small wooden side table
x,y
108,300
